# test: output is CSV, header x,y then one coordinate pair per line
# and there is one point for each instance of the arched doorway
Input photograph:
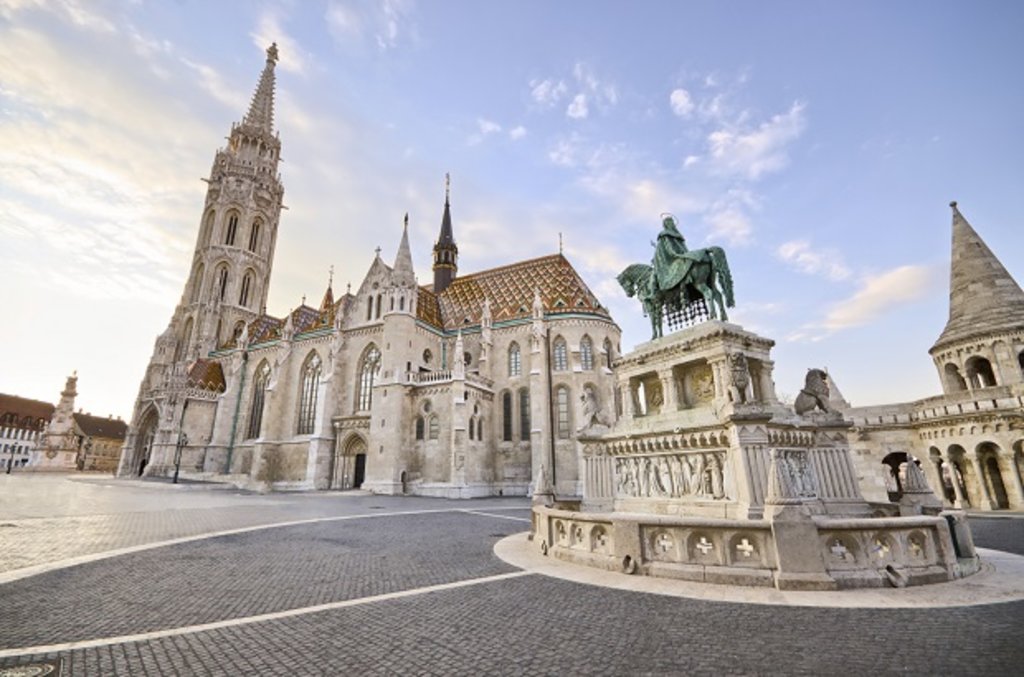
x,y
894,482
360,472
350,467
144,442
945,477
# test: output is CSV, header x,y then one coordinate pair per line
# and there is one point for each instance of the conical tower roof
x,y
983,298
261,110
446,237
402,272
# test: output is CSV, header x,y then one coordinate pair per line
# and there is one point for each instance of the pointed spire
x,y
402,272
446,237
983,297
446,252
328,302
261,110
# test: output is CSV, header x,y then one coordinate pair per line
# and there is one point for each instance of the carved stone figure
x,y
739,378
593,417
814,393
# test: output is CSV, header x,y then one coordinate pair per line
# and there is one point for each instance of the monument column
x,y
955,476
668,390
767,382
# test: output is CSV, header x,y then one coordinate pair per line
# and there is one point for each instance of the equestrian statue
x,y
679,277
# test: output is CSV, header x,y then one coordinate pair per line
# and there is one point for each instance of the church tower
x,y
446,253
979,347
228,282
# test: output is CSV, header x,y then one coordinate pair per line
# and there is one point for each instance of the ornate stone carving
x,y
595,421
671,476
739,378
790,477
814,393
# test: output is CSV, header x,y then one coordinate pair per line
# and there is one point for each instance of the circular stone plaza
x,y
102,576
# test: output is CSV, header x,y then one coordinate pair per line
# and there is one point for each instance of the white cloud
x,y
731,224
517,132
881,293
681,102
219,88
488,126
578,110
383,24
547,92
564,153
825,262
753,153
691,160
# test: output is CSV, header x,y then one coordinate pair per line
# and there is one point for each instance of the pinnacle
x,y
983,297
261,110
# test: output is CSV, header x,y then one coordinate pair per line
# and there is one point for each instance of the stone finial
x,y
272,56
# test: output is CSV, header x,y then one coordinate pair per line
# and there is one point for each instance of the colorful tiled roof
x,y
510,290
97,426
206,375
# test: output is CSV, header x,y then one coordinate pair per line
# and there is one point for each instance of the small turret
x,y
446,253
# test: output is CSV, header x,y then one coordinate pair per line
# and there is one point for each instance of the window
x,y
208,228
367,374
369,309
561,358
181,352
419,427
243,295
506,416
480,428
472,428
197,283
608,353
229,236
378,306
254,235
434,428
586,353
401,303
308,394
524,414
259,395
515,364
562,412
222,282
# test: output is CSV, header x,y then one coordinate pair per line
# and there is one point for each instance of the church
x,y
474,385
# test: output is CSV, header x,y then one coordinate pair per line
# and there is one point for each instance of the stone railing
x,y
444,376
996,398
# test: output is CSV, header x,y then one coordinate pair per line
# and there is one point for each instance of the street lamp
x,y
182,441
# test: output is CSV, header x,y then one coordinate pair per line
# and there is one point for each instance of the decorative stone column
x,y
959,503
1008,466
986,498
669,392
767,383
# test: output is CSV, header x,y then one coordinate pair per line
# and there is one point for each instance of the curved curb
x,y
1001,579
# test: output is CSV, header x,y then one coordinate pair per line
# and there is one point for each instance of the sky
x,y
818,143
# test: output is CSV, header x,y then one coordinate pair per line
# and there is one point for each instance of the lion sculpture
x,y
814,394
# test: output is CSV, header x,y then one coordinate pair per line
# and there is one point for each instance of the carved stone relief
x,y
671,476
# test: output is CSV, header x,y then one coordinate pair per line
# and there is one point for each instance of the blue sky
x,y
818,143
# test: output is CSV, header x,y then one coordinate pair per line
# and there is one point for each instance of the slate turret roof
x,y
983,298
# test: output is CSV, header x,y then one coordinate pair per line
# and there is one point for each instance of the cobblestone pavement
x,y
422,593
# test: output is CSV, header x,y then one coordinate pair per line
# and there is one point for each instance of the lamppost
x,y
182,441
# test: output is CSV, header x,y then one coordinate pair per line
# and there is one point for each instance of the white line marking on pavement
x,y
487,514
35,570
247,620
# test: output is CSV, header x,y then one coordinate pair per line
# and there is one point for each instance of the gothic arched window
x,y
515,363
472,428
232,229
586,353
369,309
208,226
197,283
243,295
608,353
379,300
524,414
480,428
222,282
308,394
419,427
186,337
259,394
562,423
433,428
254,235
561,355
368,370
506,416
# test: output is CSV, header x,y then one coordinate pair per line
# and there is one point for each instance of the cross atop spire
x,y
446,253
402,272
261,110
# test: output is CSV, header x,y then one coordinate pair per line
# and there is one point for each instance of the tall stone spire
x,y
402,273
446,253
261,110
983,297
